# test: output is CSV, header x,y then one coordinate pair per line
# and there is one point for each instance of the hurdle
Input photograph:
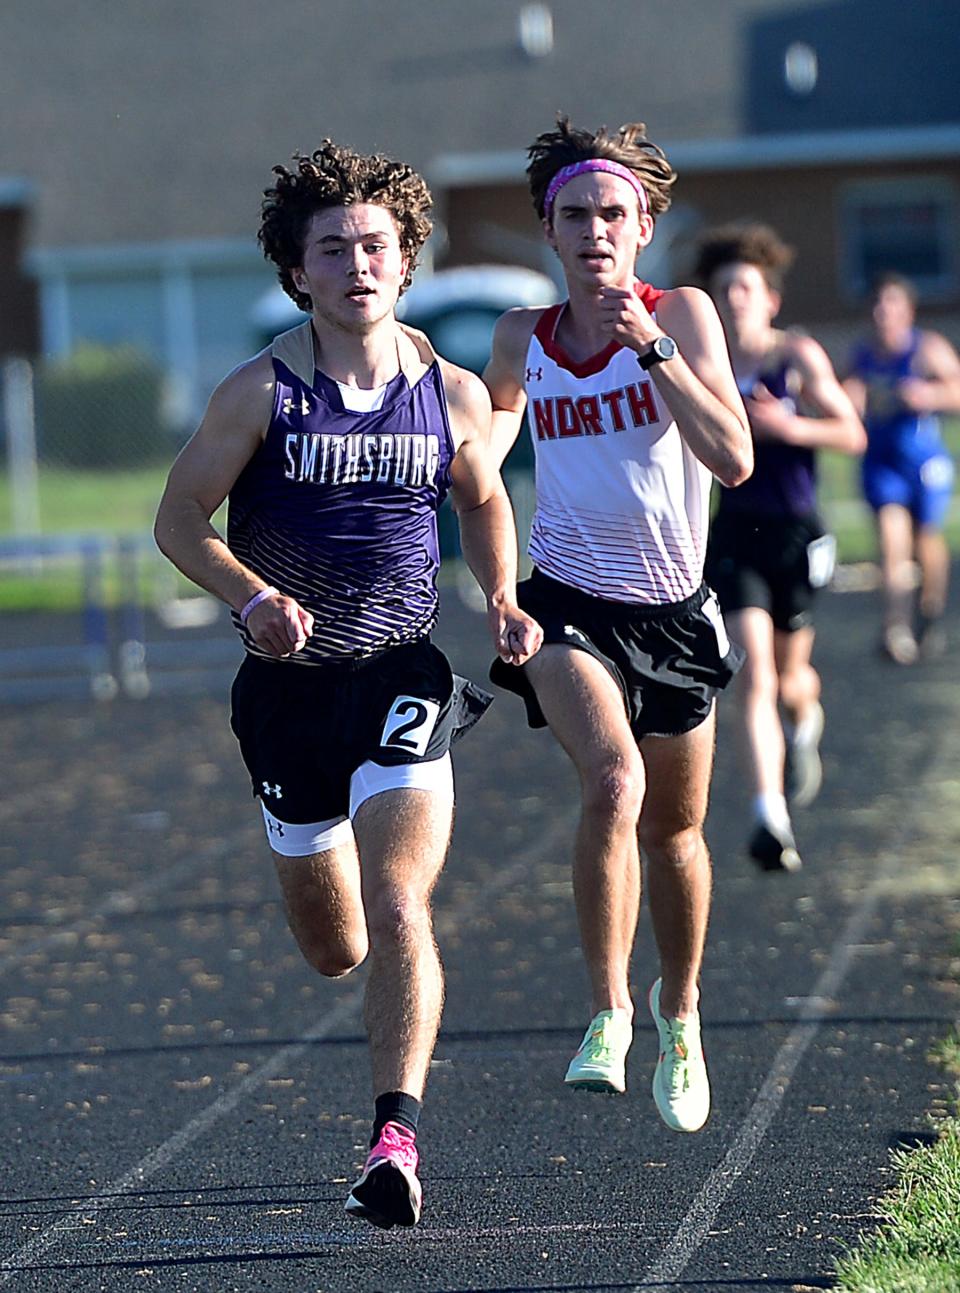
x,y
36,671
149,663
131,650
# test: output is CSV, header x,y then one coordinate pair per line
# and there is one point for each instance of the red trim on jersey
x,y
546,330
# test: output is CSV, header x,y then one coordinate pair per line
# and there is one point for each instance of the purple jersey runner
x,y
339,509
784,480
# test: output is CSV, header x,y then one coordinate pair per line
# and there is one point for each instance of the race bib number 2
x,y
410,725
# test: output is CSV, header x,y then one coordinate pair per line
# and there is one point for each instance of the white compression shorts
x,y
296,840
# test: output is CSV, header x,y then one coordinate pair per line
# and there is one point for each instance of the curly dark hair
x,y
330,177
746,243
629,146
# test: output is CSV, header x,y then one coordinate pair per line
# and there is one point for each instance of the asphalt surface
x,y
184,1103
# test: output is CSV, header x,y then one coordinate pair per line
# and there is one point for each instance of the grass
x,y
916,1247
74,502
947,1052
84,502
58,585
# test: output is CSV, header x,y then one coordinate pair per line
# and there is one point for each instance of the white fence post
x,y
18,416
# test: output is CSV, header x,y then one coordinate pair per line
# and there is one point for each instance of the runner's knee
x,y
614,789
900,573
331,962
333,965
398,915
759,680
676,849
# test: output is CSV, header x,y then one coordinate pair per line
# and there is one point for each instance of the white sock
x,y
771,809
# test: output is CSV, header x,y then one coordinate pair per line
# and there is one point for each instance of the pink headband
x,y
567,173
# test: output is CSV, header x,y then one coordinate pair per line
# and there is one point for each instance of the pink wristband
x,y
255,601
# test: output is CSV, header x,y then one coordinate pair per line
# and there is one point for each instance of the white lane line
x,y
699,1219
701,1215
164,1154
345,1011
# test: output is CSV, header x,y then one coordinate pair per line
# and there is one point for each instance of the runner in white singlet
x,y
769,551
632,409
622,504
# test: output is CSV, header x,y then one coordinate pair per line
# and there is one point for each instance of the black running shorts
x,y
669,661
305,729
765,561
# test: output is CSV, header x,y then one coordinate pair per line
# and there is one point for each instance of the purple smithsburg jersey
x,y
784,479
339,509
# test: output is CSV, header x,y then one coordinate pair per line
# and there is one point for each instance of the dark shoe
x,y
931,638
774,850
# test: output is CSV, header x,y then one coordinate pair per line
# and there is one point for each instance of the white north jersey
x,y
622,504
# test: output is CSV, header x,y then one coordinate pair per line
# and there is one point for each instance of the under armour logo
x,y
534,374
275,827
272,790
288,406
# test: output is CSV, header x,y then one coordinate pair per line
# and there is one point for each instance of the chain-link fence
x,y
88,442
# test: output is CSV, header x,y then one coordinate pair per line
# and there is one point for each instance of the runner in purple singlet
x,y
769,551
336,446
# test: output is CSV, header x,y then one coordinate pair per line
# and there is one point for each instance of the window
x,y
903,225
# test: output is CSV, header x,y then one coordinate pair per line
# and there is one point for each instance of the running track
x,y
184,1105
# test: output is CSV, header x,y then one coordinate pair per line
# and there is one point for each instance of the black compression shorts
x,y
305,729
765,562
669,661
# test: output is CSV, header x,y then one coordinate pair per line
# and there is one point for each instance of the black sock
x,y
396,1106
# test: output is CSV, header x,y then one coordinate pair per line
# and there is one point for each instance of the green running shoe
x,y
681,1088
600,1063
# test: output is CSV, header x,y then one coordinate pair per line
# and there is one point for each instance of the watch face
x,y
665,347
660,349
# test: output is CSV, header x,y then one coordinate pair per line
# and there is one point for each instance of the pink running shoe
x,y
387,1192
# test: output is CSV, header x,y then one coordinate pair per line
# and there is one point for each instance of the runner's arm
x,y
229,435
697,383
502,377
936,389
834,423
856,388
488,532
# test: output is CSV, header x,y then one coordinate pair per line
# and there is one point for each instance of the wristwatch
x,y
661,349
